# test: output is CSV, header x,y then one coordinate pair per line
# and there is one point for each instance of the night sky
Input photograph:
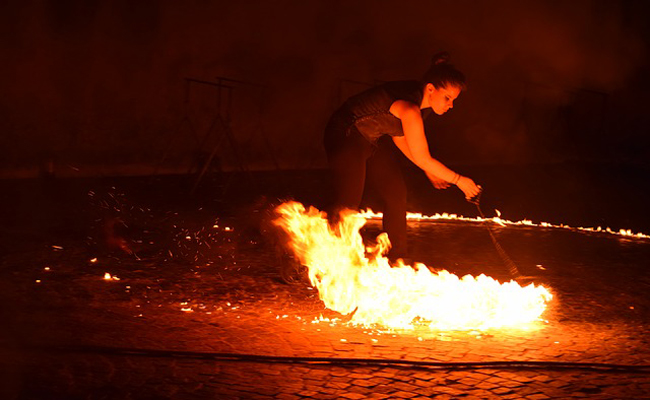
x,y
98,87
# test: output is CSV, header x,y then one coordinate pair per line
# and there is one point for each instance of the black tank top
x,y
369,111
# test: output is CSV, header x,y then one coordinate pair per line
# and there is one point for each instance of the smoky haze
x,y
98,87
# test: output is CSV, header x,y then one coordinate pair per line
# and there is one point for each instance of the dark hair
x,y
442,73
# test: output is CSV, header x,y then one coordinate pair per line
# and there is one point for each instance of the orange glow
x,y
354,278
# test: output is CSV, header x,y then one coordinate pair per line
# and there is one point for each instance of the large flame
x,y
353,278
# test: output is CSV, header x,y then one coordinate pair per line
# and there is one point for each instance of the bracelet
x,y
457,178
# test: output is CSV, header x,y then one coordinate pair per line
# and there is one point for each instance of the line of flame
x,y
411,216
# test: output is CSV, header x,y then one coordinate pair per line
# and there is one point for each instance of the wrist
x,y
456,179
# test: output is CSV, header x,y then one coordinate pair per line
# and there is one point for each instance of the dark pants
x,y
352,159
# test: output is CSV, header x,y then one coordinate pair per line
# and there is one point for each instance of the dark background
x,y
554,123
97,88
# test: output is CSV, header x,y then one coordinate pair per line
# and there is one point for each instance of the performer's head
x,y
442,84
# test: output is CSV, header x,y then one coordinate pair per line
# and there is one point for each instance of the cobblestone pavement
x,y
202,287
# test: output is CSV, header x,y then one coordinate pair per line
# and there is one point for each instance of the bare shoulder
x,y
404,109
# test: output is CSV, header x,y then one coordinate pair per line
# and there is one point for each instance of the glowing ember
x,y
109,277
353,278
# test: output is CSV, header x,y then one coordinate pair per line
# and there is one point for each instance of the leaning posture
x,y
357,150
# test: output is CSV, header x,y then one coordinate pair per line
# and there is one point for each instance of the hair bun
x,y
440,58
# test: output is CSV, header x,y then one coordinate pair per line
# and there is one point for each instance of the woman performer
x,y
393,109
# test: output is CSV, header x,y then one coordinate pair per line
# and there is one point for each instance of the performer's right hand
x,y
468,187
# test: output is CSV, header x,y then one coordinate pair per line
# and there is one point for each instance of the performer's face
x,y
441,99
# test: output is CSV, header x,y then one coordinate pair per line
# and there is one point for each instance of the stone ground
x,y
200,311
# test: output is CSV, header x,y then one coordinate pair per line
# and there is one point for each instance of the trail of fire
x,y
627,233
353,278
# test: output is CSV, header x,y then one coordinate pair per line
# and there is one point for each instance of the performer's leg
x,y
385,175
347,162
